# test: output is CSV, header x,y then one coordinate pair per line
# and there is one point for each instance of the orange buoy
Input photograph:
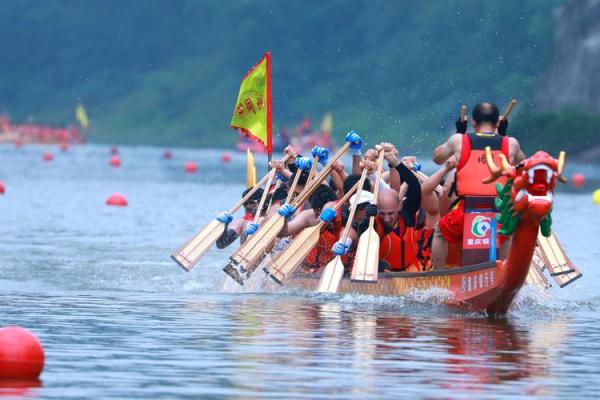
x,y
64,146
116,199
167,155
578,180
21,354
2,188
191,167
48,156
114,150
226,157
115,161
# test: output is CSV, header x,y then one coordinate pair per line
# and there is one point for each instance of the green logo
x,y
480,225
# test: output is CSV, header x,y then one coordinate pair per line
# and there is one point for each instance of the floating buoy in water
x,y
114,150
21,354
226,157
48,156
115,161
595,197
18,143
167,155
190,167
578,180
116,199
2,188
64,146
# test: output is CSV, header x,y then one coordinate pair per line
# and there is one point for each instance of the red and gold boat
x,y
524,205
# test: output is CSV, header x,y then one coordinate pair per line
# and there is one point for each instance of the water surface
x,y
118,319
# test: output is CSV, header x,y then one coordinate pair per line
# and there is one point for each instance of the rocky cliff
x,y
574,75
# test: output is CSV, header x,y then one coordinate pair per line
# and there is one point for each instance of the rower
x,y
468,149
235,228
395,221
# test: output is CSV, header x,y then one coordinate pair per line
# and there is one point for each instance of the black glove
x,y
503,126
371,210
461,126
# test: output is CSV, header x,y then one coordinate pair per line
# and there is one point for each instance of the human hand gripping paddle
x,y
286,262
251,252
366,261
332,274
303,164
188,255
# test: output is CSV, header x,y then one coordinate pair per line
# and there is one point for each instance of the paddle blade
x,y
292,257
331,277
252,251
554,256
366,262
188,255
535,276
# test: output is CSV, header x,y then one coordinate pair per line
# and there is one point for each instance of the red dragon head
x,y
533,182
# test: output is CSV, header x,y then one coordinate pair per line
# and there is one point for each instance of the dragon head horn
x,y
561,164
495,172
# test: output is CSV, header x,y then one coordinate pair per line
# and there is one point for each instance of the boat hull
x,y
475,288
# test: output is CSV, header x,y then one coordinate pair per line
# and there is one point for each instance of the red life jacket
x,y
321,254
472,166
398,250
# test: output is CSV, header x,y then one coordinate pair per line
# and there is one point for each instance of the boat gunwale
x,y
392,275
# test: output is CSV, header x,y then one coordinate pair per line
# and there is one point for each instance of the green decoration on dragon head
x,y
528,192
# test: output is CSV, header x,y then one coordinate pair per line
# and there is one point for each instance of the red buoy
x,y
167,155
2,188
21,354
48,156
191,167
115,161
64,146
116,199
114,150
578,180
226,157
18,143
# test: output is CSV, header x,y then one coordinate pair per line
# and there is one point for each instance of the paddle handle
x,y
264,196
463,113
363,176
313,169
378,177
255,188
293,185
310,187
510,108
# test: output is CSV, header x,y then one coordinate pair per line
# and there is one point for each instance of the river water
x,y
118,319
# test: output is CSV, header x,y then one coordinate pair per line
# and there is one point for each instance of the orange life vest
x,y
321,254
472,166
400,249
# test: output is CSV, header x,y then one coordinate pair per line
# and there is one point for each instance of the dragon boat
x,y
524,206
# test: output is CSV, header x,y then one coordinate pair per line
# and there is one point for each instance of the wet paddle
x,y
251,252
366,262
286,262
334,270
188,255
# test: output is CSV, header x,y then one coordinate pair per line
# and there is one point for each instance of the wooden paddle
x,y
334,270
188,255
463,113
313,169
286,262
509,109
366,262
535,276
555,258
251,252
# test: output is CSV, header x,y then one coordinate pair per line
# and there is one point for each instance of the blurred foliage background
x,y
168,72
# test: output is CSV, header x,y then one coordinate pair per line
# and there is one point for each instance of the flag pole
x,y
269,109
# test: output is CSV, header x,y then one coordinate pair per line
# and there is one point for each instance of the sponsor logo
x,y
480,226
